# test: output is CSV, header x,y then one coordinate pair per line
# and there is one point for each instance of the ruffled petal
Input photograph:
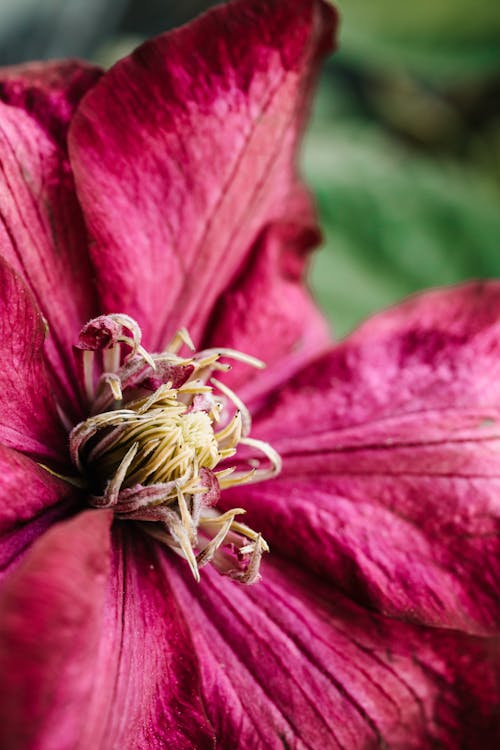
x,y
268,311
391,478
184,152
28,416
288,663
42,233
51,611
31,500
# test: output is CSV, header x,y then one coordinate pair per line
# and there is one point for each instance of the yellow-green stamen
x,y
157,434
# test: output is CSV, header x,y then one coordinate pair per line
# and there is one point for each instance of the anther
x,y
150,450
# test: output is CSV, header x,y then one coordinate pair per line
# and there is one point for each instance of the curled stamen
x,y
251,574
274,457
115,385
246,419
177,539
112,490
231,434
236,479
207,554
150,451
247,359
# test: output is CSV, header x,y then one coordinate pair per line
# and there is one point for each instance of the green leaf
x,y
394,222
434,38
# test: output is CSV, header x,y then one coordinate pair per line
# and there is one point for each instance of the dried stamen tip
x,y
151,451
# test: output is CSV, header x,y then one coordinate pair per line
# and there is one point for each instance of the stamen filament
x,y
150,451
111,359
181,337
88,374
247,359
114,383
246,419
233,428
274,457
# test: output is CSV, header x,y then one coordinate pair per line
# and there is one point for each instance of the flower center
x,y
157,444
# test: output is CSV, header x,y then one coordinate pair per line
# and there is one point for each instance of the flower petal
x,y
42,233
48,91
288,663
28,415
268,311
31,500
100,652
391,478
147,691
184,151
51,611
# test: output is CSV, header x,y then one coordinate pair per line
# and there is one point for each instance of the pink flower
x,y
166,190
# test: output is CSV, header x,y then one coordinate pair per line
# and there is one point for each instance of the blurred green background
x,y
404,149
404,153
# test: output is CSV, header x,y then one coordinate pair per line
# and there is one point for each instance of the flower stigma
x,y
156,446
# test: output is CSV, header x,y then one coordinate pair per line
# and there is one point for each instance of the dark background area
x,y
404,149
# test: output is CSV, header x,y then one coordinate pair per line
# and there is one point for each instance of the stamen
x,y
115,385
146,357
251,574
237,479
246,419
112,490
247,359
207,554
75,481
181,337
274,457
231,434
88,374
185,517
244,530
150,451
111,359
182,544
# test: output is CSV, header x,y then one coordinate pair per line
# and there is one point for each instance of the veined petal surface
x,y
94,647
185,151
31,500
268,311
146,658
28,417
290,663
147,686
51,610
391,447
42,233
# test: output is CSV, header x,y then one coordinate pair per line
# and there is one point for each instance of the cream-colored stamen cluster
x,y
153,446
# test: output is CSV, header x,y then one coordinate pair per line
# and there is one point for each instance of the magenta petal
x,y
268,311
184,152
95,649
30,500
289,663
42,233
28,416
51,610
48,91
147,692
391,447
